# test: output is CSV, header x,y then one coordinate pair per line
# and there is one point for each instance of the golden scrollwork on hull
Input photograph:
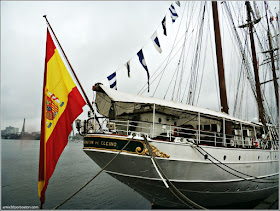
x,y
155,151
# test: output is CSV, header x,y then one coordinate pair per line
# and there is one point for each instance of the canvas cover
x,y
125,103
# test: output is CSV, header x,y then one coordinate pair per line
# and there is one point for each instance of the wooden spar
x,y
72,70
219,56
220,65
272,64
256,72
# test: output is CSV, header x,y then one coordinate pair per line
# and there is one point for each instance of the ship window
x,y
258,157
257,187
267,157
175,123
248,188
214,127
206,127
238,189
159,120
227,190
239,157
245,134
225,157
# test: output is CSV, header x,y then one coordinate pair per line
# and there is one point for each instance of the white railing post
x,y
242,134
154,112
224,131
215,138
127,127
170,133
255,134
198,127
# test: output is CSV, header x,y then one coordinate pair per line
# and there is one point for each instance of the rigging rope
x,y
92,177
194,69
171,48
177,193
198,147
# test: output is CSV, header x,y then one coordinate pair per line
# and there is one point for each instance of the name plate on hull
x,y
117,143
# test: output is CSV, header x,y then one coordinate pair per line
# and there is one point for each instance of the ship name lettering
x,y
108,143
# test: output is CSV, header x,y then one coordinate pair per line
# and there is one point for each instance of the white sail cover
x,y
128,103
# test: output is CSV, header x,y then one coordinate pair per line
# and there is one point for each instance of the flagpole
x,y
72,70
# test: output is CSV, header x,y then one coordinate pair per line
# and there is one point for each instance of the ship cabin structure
x,y
128,114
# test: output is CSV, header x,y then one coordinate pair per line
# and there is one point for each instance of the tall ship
x,y
179,155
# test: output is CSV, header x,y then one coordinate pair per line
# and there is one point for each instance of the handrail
x,y
168,132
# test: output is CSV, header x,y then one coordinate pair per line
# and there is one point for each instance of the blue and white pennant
x,y
173,12
143,62
113,80
156,42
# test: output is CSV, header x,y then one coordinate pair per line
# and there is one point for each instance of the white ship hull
x,y
209,184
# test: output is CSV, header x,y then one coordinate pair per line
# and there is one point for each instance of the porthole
x,y
239,158
225,157
159,120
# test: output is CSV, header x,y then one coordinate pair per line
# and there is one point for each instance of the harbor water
x,y
19,176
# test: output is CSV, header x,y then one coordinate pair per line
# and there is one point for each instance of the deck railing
x,y
177,134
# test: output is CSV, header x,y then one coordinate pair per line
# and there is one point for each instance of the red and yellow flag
x,y
62,104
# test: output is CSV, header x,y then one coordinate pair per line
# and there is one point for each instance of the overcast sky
x,y
98,38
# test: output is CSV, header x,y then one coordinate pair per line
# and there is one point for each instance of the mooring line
x,y
197,147
176,192
92,177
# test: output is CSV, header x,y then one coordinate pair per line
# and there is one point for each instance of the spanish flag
x,y
62,104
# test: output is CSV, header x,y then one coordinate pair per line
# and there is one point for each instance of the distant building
x,y
10,130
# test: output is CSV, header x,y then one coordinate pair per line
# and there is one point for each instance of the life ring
x,y
254,142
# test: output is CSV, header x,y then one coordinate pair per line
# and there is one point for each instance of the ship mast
x,y
256,72
272,64
219,56
220,65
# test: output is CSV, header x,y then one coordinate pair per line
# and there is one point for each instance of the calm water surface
x,y
20,160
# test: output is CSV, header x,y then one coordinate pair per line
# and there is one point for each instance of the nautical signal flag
x,y
178,3
173,12
163,23
156,42
128,68
113,80
62,104
143,62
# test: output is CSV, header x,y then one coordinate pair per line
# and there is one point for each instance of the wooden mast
x,y
220,65
219,56
256,72
272,64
